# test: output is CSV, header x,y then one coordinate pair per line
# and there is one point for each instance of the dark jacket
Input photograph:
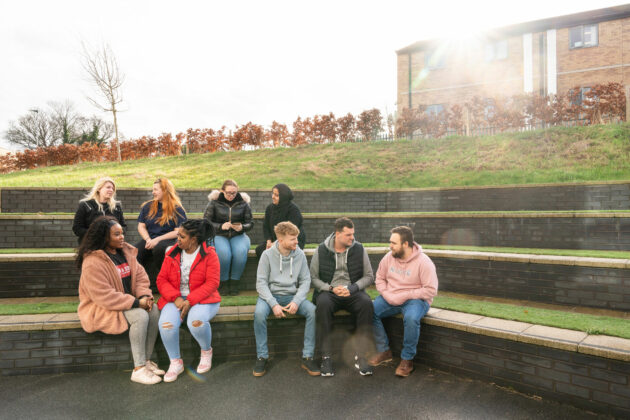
x,y
292,215
220,210
88,211
203,281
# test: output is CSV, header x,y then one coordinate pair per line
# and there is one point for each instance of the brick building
x,y
547,56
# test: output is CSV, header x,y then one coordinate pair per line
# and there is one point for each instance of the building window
x,y
583,36
577,95
434,110
434,59
489,109
497,50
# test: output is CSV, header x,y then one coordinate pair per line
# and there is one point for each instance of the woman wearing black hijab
x,y
281,209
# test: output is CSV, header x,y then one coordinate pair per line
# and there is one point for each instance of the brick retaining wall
x,y
561,280
605,231
604,196
585,380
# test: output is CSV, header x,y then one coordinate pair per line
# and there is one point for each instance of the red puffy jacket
x,y
203,281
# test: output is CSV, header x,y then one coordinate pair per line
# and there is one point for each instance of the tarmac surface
x,y
229,391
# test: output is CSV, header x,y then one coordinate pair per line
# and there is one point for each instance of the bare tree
x,y
33,130
102,68
64,120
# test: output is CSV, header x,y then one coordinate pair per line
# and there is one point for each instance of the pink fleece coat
x,y
399,280
102,298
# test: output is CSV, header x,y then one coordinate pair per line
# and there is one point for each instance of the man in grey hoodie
x,y
282,282
340,271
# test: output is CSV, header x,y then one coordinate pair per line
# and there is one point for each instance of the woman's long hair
x,y
95,237
201,229
94,194
170,202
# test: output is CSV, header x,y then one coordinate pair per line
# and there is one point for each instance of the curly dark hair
x,y
201,229
95,238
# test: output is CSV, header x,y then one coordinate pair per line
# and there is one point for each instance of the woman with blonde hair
x,y
100,201
158,222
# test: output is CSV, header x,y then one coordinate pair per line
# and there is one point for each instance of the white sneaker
x,y
205,362
176,367
145,376
153,367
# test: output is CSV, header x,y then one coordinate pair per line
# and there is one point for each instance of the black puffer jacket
x,y
88,212
220,210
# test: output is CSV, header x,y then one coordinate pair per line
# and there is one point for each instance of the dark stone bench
x,y
568,230
567,196
588,282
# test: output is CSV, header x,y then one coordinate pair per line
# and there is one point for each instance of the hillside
x,y
596,153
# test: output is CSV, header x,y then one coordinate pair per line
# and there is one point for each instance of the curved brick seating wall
x,y
560,280
566,366
606,231
605,196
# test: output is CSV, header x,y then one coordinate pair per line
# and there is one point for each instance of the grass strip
x,y
592,253
591,324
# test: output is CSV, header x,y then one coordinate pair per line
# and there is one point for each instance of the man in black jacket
x,y
340,271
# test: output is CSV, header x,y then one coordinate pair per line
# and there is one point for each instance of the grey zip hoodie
x,y
280,275
341,276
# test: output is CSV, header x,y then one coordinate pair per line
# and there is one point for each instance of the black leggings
x,y
156,254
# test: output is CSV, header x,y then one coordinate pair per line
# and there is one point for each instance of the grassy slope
x,y
596,153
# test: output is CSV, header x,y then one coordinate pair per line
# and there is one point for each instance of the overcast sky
x,y
204,64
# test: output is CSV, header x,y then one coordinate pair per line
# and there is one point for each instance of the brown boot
x,y
380,358
404,368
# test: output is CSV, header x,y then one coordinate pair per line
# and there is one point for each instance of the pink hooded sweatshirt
x,y
399,280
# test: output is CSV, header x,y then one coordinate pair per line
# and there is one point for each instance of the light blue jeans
x,y
232,254
202,333
413,311
306,309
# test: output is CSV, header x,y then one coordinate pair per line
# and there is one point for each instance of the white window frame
x,y
591,29
497,50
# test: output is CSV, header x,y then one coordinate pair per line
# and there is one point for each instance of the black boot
x,y
234,287
223,288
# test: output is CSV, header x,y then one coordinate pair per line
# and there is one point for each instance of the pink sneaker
x,y
176,367
205,363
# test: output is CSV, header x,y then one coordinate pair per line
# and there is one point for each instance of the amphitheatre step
x,y
559,230
559,280
614,195
589,371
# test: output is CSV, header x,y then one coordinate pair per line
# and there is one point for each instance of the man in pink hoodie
x,y
407,282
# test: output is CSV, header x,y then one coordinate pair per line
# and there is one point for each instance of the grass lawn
x,y
554,155
534,251
573,321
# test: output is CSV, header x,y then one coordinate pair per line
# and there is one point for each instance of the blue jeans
x,y
202,333
306,309
413,310
232,254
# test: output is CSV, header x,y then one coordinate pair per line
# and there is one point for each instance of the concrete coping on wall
x,y
384,215
434,253
557,338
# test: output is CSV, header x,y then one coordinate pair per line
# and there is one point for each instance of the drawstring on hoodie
x,y
345,255
290,265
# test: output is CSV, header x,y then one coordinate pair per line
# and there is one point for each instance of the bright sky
x,y
204,64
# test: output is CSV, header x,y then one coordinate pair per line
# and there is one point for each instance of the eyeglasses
x,y
230,193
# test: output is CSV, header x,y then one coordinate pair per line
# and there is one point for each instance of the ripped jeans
x,y
198,321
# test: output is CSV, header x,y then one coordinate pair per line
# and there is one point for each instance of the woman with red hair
x,y
157,224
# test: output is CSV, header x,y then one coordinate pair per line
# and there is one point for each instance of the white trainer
x,y
153,367
176,367
145,376
205,362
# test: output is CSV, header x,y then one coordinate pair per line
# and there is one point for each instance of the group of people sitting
x,y
115,293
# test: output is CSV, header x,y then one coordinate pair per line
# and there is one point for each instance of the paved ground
x,y
229,391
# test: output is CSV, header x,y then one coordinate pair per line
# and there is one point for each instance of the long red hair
x,y
170,202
